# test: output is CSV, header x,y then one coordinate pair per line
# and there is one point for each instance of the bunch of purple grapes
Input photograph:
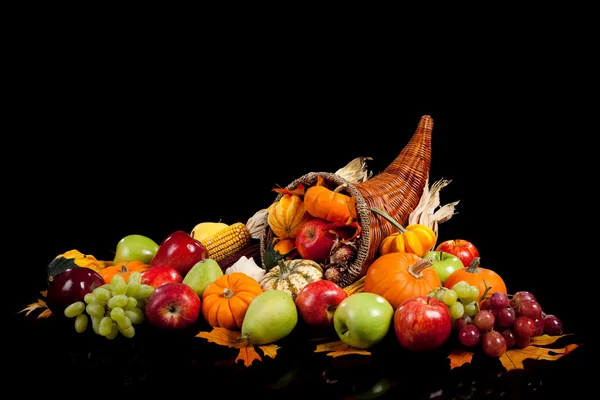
x,y
506,321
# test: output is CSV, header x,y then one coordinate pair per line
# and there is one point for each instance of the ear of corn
x,y
227,241
355,287
250,251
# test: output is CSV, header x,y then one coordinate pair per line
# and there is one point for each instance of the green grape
x,y
124,323
463,291
474,292
127,332
81,323
449,297
135,277
118,286
117,314
96,324
114,331
135,315
457,310
95,310
145,292
90,298
102,294
471,309
119,300
131,303
440,293
133,288
105,326
74,309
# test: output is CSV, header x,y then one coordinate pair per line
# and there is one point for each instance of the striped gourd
x,y
290,276
227,241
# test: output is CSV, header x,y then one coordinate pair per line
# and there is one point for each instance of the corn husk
x,y
356,170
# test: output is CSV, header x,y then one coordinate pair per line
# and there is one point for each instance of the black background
x,y
103,146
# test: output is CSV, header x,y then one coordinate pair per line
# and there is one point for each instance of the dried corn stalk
x,y
428,211
356,170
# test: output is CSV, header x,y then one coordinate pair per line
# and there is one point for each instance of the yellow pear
x,y
205,229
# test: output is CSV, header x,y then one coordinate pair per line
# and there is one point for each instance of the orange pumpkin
x,y
330,205
477,276
400,276
286,216
123,268
226,300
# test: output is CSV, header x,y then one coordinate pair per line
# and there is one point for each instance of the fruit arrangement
x,y
348,255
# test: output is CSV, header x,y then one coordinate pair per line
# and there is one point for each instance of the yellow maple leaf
x,y
339,348
247,352
41,305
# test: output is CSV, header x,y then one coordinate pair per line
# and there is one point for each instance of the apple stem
x,y
417,268
228,293
385,215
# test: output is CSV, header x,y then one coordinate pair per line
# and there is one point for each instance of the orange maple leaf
x,y
514,358
247,352
41,305
339,348
299,191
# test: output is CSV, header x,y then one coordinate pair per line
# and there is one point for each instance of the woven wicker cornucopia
x,y
396,190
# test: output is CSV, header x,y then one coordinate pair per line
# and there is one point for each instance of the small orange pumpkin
x,y
123,268
330,205
400,276
477,276
226,300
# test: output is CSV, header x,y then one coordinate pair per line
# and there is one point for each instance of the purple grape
x,y
553,325
499,300
505,317
469,335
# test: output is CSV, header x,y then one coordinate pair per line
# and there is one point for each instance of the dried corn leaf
x,y
514,358
256,224
339,348
247,352
356,170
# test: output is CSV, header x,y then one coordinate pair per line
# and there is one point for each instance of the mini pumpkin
x,y
226,300
290,276
415,238
483,278
400,276
123,268
278,249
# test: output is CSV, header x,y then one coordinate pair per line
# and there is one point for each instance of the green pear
x,y
271,316
135,248
202,274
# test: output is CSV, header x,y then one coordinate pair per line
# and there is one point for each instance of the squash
x,y
291,276
71,259
278,249
226,300
486,280
400,276
415,238
123,268
286,216
330,205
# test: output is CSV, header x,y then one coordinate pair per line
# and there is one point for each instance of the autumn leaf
x,y
514,358
247,352
339,348
39,305
299,191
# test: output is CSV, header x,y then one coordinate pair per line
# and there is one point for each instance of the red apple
x,y
180,251
158,276
461,248
315,239
173,305
316,303
422,324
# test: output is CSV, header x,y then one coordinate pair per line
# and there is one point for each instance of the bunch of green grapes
x,y
461,299
113,307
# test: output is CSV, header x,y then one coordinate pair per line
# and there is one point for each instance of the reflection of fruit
x,y
363,319
422,323
180,251
135,248
317,302
71,286
461,248
202,274
157,276
271,316
205,229
173,306
315,239
444,263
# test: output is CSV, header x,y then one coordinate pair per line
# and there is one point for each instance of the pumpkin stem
x,y
284,269
124,268
385,215
472,268
417,268
227,293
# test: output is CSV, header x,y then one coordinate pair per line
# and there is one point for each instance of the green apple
x,y
363,319
444,263
135,248
202,274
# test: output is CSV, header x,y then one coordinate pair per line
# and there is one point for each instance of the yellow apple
x,y
206,229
